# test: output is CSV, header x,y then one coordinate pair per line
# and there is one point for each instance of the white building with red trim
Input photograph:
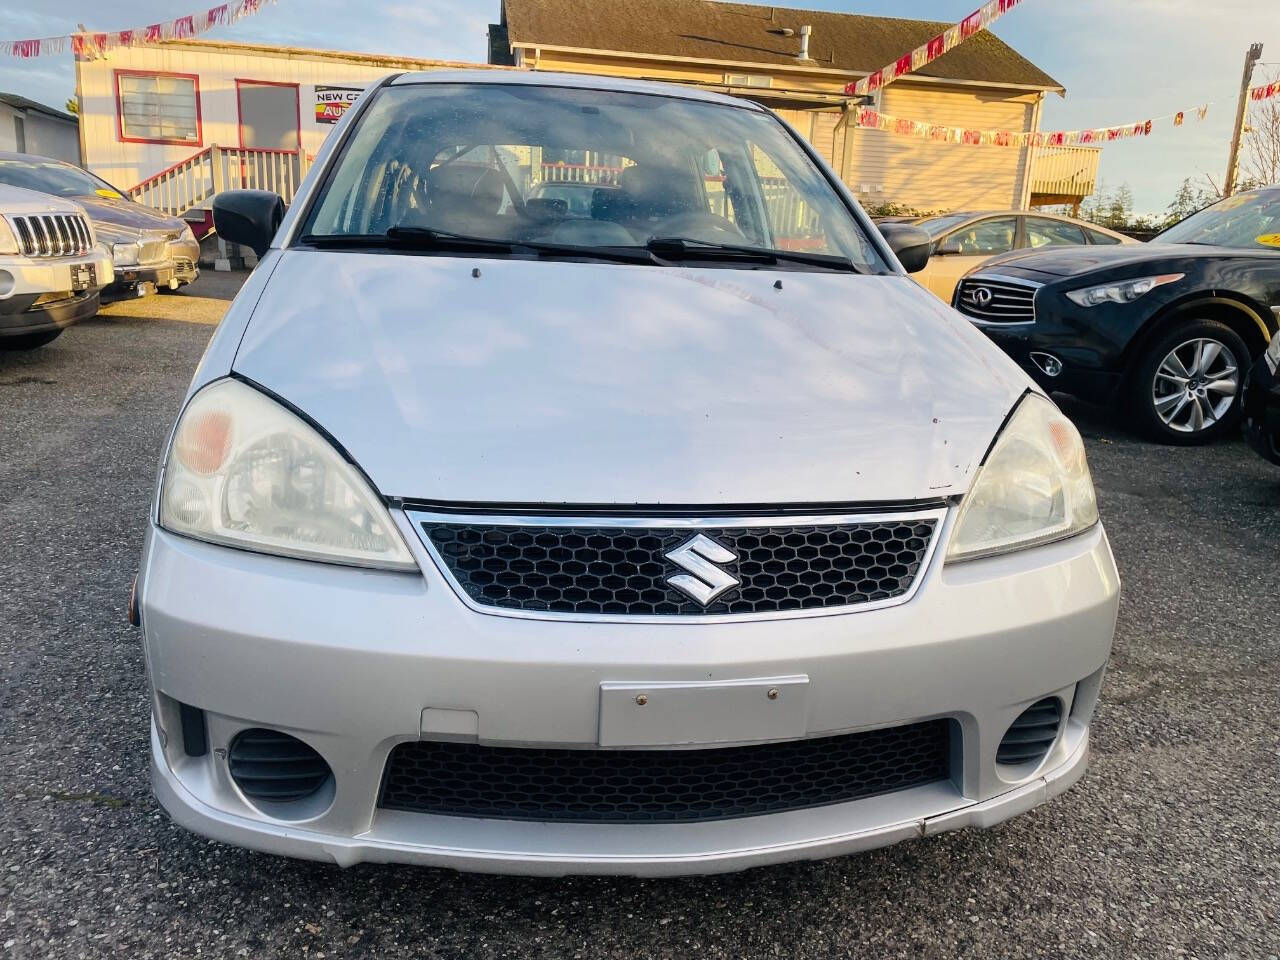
x,y
174,122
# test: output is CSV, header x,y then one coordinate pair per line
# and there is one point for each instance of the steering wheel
x,y
700,225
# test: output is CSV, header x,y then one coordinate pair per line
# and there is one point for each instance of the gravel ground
x,y
1169,847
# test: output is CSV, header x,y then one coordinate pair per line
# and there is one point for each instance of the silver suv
x,y
50,268
684,536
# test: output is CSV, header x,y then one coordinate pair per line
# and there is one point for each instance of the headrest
x,y
654,191
466,184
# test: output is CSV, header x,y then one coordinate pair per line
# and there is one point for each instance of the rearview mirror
x,y
909,243
949,247
250,217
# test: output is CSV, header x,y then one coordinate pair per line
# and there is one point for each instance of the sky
x,y
1120,61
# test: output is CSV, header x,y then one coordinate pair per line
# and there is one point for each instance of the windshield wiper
x,y
426,238
686,248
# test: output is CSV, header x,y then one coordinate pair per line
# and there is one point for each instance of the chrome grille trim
x,y
51,235
1011,301
417,521
152,250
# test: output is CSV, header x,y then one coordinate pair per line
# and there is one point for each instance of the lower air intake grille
x,y
269,765
661,786
1032,734
628,570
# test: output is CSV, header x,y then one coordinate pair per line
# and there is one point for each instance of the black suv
x,y
1166,330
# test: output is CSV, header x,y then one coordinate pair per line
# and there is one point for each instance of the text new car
x,y
657,541
1164,330
50,268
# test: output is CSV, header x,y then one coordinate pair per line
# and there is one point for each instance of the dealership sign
x,y
332,102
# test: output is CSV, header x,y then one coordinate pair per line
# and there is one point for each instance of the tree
x,y
1188,200
1260,156
73,106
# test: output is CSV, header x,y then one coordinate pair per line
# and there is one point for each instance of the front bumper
x,y
349,661
22,277
179,268
24,281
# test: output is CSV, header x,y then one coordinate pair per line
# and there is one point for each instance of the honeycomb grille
x,y
661,786
625,570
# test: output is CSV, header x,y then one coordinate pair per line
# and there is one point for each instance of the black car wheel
x,y
29,341
1187,388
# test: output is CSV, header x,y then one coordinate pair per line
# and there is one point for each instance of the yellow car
x,y
964,240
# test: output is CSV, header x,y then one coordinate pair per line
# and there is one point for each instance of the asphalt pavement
x,y
1170,846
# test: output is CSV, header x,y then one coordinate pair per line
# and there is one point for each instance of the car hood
x,y
1073,261
517,381
20,201
125,213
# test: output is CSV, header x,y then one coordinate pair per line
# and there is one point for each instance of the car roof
x,y
14,155
978,214
578,81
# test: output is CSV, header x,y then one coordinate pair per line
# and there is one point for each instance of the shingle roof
x,y
739,32
19,102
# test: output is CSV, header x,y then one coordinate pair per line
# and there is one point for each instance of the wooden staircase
x,y
187,188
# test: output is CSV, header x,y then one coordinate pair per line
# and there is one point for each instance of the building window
x,y
158,107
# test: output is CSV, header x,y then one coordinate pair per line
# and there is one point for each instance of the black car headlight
x,y
1121,291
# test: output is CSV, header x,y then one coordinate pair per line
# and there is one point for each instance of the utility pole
x,y
1233,160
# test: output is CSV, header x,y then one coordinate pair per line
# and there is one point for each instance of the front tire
x,y
1188,383
29,341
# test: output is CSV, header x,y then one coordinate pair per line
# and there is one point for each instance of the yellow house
x,y
764,53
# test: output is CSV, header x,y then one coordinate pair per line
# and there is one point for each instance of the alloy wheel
x,y
1195,385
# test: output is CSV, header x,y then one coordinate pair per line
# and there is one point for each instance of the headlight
x,y
1033,488
8,242
1123,291
187,235
124,254
245,472
1273,353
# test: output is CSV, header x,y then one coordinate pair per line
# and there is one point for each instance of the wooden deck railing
x,y
191,184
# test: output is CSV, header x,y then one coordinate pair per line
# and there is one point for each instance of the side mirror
x,y
910,244
949,247
250,217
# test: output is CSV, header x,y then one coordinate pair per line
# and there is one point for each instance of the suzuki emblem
x,y
705,580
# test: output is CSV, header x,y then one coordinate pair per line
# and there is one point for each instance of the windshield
x,y
586,169
50,176
1245,220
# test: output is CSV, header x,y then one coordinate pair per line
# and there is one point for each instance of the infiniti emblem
x,y
705,581
981,296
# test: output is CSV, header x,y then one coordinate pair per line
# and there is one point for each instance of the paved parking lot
x,y
1169,848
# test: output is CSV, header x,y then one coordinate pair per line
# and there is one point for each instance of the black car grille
x,y
661,786
626,571
1029,737
996,301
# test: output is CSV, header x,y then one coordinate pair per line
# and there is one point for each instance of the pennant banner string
x,y
95,44
874,119
926,53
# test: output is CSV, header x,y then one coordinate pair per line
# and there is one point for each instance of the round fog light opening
x,y
1029,738
271,766
1049,365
